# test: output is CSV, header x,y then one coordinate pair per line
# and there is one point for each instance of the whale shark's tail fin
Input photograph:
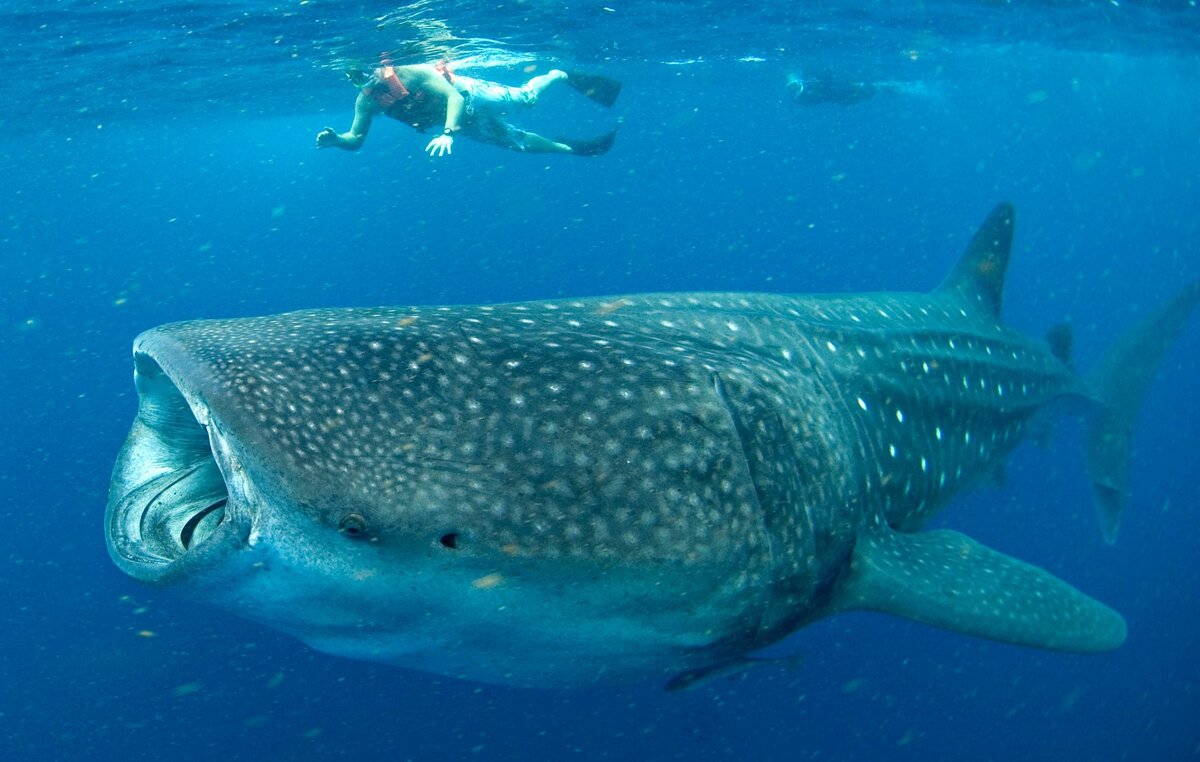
x,y
1119,383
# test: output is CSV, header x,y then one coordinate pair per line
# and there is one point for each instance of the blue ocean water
x,y
157,163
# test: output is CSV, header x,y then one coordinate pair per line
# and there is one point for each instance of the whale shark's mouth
x,y
168,495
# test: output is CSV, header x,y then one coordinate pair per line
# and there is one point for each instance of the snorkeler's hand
x,y
440,146
327,138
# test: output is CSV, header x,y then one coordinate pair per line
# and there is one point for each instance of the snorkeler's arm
x,y
352,139
434,82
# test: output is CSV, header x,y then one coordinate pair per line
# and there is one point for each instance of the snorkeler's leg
x,y
590,146
534,143
538,84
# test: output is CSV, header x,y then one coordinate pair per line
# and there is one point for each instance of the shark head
x,y
427,487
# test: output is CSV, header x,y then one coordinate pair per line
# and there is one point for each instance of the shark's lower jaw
x,y
168,496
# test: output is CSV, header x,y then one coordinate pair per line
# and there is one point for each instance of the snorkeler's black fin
x,y
592,147
600,89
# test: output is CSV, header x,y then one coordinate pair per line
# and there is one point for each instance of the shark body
x,y
599,490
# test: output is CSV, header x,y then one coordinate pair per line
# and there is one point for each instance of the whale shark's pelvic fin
x,y
948,580
734,669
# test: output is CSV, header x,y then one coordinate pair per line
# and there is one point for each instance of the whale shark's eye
x,y
449,540
353,525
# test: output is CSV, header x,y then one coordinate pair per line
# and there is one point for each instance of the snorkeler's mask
x,y
358,78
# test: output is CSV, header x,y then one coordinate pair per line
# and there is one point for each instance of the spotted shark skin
x,y
614,489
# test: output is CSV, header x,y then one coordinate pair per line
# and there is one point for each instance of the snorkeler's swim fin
x,y
592,147
600,89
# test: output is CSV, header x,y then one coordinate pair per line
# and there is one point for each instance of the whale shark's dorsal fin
x,y
979,275
946,579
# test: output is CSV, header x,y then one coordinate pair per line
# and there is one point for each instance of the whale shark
x,y
631,488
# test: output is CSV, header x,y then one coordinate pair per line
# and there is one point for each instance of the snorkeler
x,y
428,96
827,88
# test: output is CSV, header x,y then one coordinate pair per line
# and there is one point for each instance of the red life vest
x,y
418,109
387,90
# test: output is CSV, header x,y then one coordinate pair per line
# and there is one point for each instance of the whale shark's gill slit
x,y
744,435
148,511
197,522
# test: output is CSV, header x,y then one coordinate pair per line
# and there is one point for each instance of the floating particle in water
x,y
187,689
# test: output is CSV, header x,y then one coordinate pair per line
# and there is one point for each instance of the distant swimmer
x,y
827,88
431,96
822,86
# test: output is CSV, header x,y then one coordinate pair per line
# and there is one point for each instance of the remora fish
x,y
594,490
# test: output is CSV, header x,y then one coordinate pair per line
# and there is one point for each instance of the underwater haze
x,y
158,163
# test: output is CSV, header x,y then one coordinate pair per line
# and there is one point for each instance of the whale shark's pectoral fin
x,y
946,579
